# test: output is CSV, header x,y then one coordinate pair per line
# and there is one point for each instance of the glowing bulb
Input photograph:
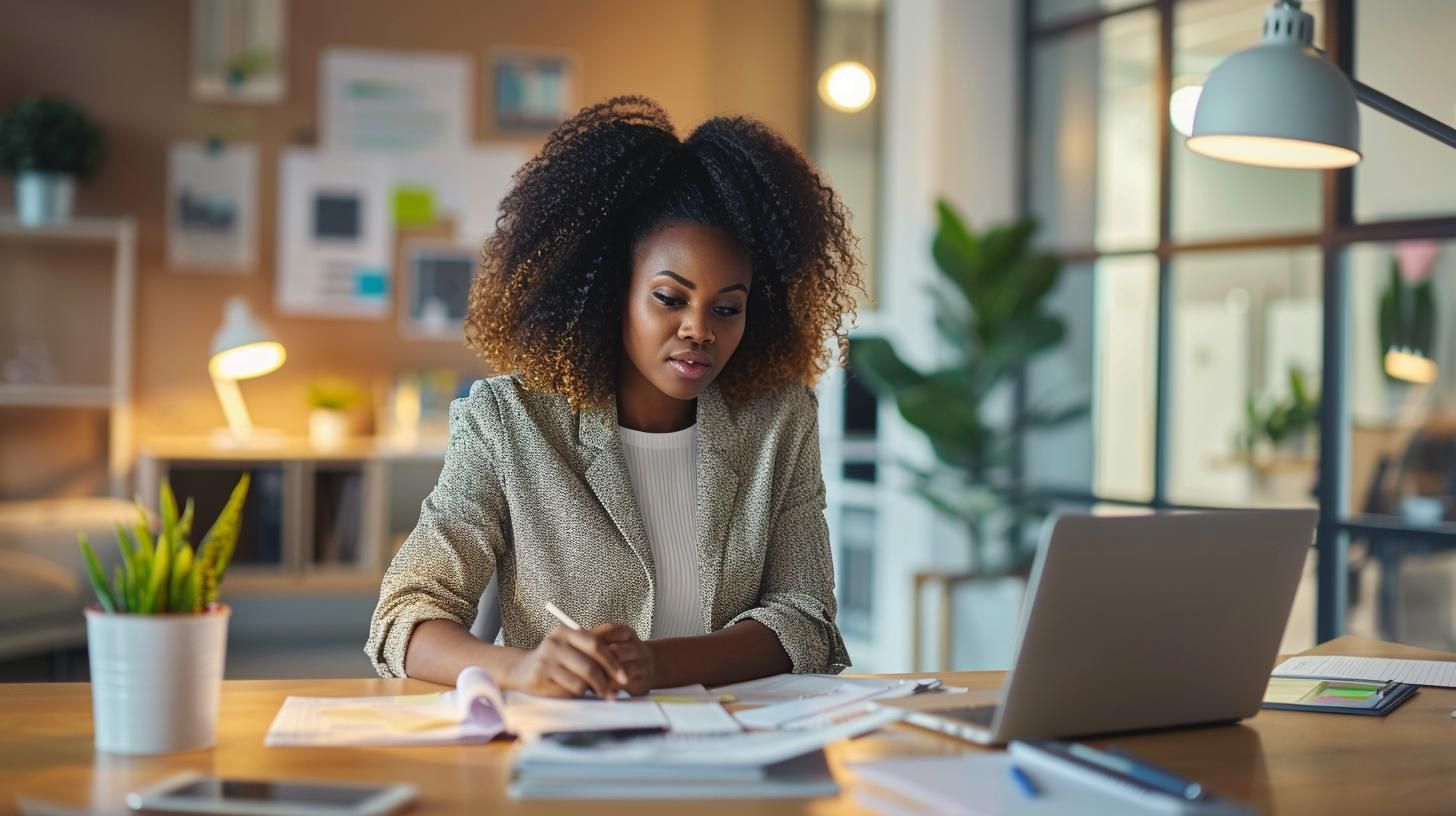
x,y
1274,151
1181,107
1411,366
244,362
847,87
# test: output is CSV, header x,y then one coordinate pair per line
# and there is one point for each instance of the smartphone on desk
x,y
196,793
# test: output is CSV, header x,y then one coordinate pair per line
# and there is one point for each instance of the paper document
x,y
811,700
963,784
699,718
475,710
471,712
1419,672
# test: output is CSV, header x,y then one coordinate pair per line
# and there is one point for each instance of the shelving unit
x,y
114,395
315,520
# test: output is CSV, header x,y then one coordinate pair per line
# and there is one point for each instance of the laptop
x,y
1139,622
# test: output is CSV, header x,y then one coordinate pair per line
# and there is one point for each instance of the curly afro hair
x,y
547,303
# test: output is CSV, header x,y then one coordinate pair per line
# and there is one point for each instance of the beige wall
x,y
127,64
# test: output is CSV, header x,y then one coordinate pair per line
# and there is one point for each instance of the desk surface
x,y
1284,762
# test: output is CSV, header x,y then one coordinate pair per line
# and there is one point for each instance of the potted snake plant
x,y
157,635
47,144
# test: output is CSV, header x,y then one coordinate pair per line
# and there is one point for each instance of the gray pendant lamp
x,y
1282,104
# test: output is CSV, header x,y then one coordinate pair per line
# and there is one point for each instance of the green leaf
x,y
118,583
220,541
155,599
181,569
874,361
97,576
184,525
169,510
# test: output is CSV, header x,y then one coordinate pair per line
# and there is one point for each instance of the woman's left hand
x,y
635,655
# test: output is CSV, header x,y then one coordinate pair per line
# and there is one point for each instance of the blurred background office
x,y
266,261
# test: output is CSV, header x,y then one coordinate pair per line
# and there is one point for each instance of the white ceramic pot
x,y
156,679
327,429
43,198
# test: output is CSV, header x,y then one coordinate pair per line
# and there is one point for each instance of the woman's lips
x,y
688,370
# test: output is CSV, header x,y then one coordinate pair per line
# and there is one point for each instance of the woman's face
x,y
686,307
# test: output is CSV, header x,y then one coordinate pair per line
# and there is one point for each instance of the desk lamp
x,y
1282,104
243,348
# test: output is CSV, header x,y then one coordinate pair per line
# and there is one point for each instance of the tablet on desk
x,y
195,793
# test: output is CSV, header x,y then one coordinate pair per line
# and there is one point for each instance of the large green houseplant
x,y
990,314
157,637
46,144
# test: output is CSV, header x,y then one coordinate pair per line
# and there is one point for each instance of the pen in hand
x,y
567,621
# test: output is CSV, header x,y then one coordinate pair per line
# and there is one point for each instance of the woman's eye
x,y
727,311
667,300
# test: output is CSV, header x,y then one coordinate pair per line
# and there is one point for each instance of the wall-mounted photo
x,y
238,50
437,290
212,207
533,90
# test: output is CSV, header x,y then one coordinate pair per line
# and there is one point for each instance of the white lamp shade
x,y
243,347
1279,104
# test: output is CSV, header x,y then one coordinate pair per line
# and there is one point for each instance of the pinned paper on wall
x,y
414,206
489,168
212,207
395,101
463,187
437,290
238,50
334,238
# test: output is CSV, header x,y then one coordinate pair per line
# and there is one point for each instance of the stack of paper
x,y
802,701
741,765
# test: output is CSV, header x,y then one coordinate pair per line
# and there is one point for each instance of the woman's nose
x,y
695,329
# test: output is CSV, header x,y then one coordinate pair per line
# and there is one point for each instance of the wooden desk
x,y
1285,762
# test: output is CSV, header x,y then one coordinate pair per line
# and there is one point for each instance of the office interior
x,y
1226,326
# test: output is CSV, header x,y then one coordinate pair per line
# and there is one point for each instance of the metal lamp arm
x,y
1405,114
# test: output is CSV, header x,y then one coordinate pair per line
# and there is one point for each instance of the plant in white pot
x,y
46,144
158,636
329,401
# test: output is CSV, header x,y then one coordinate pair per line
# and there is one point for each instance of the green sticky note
x,y
1354,693
414,206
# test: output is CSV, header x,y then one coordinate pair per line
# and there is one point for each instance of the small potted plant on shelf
x,y
158,635
329,400
46,144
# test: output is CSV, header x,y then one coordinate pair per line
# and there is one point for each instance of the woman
x,y
651,462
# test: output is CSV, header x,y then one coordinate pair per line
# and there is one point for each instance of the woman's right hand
x,y
568,663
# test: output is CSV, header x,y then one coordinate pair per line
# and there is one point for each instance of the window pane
x,y
1051,11
1217,199
1402,439
1399,48
1245,326
1106,365
1093,179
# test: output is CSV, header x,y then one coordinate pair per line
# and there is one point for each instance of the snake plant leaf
x,y
155,599
184,524
208,589
143,530
97,576
220,541
181,569
194,587
169,507
118,589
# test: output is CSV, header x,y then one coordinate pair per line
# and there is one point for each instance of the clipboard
x,y
1370,698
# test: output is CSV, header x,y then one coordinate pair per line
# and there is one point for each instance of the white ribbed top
x,y
664,470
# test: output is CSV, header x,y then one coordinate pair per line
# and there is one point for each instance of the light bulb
x,y
847,87
1181,107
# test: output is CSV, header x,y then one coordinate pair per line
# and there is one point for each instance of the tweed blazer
x,y
539,494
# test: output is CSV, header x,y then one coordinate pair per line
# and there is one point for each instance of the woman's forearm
x,y
439,649
743,651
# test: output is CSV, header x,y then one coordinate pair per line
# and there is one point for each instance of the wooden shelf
x,y
76,229
57,396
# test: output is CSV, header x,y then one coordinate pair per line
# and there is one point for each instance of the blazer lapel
x,y
717,494
609,479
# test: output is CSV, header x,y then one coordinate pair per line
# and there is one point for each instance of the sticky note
x,y
414,206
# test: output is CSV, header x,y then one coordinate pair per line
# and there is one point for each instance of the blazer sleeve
x,y
443,567
796,596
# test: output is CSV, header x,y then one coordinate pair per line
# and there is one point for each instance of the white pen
x,y
562,616
571,624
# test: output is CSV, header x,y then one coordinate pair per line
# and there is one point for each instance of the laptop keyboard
x,y
975,715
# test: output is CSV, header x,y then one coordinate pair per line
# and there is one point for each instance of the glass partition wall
x,y
1248,336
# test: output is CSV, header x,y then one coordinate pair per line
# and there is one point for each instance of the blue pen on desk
x,y
1028,788
1125,763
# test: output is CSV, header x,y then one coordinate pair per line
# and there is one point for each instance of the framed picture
x,y
533,90
437,289
238,50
